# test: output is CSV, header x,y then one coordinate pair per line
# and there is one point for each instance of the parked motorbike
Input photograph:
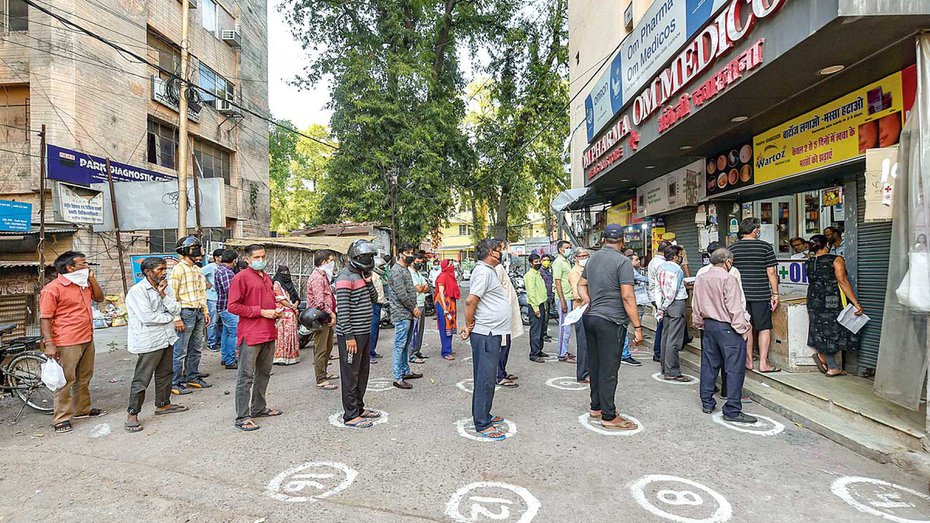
x,y
520,287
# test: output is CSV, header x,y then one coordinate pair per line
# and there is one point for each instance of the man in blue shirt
x,y
209,271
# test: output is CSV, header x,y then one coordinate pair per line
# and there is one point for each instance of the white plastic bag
x,y
53,376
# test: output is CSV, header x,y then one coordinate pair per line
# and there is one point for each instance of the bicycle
x,y
21,376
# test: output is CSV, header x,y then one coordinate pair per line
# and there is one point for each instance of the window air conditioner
x,y
225,107
232,37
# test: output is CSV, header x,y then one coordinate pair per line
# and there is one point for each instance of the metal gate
x,y
686,234
874,245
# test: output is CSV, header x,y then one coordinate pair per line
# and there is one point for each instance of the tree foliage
x,y
297,167
519,122
405,153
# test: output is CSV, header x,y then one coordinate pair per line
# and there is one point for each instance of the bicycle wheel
x,y
24,377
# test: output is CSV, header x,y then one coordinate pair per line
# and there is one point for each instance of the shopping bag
x,y
53,376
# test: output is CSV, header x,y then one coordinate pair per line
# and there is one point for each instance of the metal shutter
x,y
686,234
874,245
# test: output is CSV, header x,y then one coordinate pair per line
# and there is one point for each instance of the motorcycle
x,y
520,287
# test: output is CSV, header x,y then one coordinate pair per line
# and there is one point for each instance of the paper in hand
x,y
848,319
575,315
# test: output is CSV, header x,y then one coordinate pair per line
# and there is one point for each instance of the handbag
x,y
914,290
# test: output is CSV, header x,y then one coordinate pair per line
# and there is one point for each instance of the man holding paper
x,y
828,293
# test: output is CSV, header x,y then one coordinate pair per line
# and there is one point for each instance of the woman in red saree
x,y
447,293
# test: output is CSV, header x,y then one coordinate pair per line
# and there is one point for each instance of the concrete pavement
x,y
416,466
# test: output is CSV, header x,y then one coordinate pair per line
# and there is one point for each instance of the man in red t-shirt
x,y
67,326
251,297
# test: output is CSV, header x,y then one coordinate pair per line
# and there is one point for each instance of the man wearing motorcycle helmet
x,y
190,290
355,295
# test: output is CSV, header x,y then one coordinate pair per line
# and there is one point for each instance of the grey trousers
x,y
157,363
255,362
673,337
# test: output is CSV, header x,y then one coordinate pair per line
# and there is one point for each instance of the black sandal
x,y
92,413
267,413
247,425
64,426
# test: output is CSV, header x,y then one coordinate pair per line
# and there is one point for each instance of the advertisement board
x,y
79,205
155,205
669,192
841,130
84,169
664,29
15,216
729,169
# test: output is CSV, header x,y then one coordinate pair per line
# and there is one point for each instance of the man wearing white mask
x,y
68,335
574,276
320,296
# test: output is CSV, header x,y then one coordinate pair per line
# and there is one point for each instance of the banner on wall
x,y
844,129
677,189
624,213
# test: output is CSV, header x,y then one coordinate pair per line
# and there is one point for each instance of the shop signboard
x,y
728,170
84,169
794,271
15,216
881,170
664,29
623,213
79,205
135,263
844,129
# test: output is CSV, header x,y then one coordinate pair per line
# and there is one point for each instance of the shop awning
x,y
802,39
587,197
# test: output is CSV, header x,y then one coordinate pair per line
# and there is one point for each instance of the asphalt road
x,y
416,466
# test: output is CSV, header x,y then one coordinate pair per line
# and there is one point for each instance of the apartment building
x,y
96,102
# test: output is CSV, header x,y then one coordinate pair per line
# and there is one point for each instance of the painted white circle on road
x,y
595,425
658,377
766,426
883,499
492,501
336,420
566,383
468,385
466,428
681,500
467,358
380,385
310,482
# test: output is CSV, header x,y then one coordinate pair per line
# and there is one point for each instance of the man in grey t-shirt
x,y
487,322
606,286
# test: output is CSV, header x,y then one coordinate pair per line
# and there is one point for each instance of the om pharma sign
x,y
663,29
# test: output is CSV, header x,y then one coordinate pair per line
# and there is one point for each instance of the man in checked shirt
x,y
190,290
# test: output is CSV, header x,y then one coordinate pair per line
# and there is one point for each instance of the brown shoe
x,y
402,384
594,414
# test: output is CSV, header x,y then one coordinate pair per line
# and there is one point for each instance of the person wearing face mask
x,y
287,348
574,277
717,309
320,296
673,299
251,297
536,298
758,267
151,335
403,311
563,298
488,317
415,340
67,328
190,291
546,272
641,292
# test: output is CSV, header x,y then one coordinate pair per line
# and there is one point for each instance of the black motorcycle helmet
x,y
189,246
313,319
362,256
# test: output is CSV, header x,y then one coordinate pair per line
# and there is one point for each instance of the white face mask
x,y
583,262
328,268
78,277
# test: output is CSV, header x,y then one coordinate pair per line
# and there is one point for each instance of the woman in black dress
x,y
827,282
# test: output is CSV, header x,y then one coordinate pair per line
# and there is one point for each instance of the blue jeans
x,y
565,331
228,325
401,364
375,327
657,346
722,349
187,349
213,330
486,354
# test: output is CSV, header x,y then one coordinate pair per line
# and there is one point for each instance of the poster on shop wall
x,y
729,169
881,166
674,190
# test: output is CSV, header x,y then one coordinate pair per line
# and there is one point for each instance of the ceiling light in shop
x,y
738,119
625,180
833,69
685,147
650,167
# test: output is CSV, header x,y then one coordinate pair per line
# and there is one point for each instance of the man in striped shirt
x,y
355,295
755,260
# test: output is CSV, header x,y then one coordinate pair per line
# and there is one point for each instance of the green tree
x,y
518,122
397,109
297,167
